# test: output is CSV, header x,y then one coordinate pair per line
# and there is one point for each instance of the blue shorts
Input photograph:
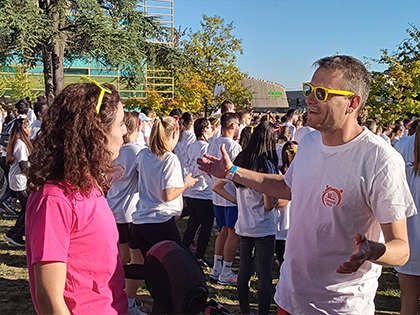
x,y
225,216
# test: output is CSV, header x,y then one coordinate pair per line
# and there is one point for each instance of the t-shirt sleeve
x,y
51,223
20,152
172,173
390,196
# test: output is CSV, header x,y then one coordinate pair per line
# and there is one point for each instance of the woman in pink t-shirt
x,y
72,238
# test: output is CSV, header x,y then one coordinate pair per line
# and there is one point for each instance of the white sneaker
x,y
214,276
135,310
231,279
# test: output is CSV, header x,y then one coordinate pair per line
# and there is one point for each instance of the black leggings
x,y
144,236
19,229
201,213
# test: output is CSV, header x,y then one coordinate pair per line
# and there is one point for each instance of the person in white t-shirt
x,y
160,185
186,138
342,228
142,122
292,117
303,131
255,225
17,156
122,198
150,113
39,108
225,211
199,197
409,274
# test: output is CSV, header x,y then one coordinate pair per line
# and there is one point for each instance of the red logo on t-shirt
x,y
331,197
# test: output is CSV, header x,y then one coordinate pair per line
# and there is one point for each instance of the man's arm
x,y
269,184
50,279
394,252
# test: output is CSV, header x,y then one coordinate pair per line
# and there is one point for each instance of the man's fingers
x,y
211,158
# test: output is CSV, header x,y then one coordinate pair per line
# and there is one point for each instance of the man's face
x,y
329,115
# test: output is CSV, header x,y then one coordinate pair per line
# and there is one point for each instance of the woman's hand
x,y
191,180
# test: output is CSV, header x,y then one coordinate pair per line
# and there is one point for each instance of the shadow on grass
x,y
15,297
10,259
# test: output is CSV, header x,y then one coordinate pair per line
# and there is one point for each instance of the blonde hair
x,y
160,135
130,120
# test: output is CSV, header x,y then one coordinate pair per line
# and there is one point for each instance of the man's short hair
x,y
291,112
227,119
371,125
356,77
225,106
22,107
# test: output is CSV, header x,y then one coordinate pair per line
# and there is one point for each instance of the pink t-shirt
x,y
82,233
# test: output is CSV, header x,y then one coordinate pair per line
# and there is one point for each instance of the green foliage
x,y
114,33
211,54
395,94
21,83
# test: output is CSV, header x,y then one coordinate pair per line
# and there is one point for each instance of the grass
x,y
15,298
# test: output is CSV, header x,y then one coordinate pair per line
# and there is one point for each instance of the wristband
x,y
188,184
232,172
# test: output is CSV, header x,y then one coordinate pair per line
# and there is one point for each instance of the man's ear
x,y
355,102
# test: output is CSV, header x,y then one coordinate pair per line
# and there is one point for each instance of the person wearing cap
x,y
142,122
350,200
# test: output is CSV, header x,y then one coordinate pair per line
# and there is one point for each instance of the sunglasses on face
x,y
101,95
321,93
291,151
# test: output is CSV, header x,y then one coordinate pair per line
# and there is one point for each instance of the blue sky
x,y
282,38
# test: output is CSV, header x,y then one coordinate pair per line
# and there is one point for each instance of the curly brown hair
x,y
72,142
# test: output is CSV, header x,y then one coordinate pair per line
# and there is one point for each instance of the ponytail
x,y
160,135
416,166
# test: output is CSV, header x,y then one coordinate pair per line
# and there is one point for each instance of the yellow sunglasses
x,y
320,92
101,95
291,151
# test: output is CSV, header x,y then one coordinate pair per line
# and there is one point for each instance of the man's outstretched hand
x,y
361,253
214,166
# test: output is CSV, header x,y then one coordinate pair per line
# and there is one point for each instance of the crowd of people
x,y
327,195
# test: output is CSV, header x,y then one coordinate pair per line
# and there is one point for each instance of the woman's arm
x,y
219,188
50,279
269,202
172,193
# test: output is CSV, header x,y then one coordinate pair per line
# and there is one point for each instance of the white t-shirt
x,y
386,138
123,196
141,141
406,147
181,149
232,148
202,188
17,180
338,191
156,175
253,219
301,132
292,129
282,218
279,149
35,128
146,130
31,116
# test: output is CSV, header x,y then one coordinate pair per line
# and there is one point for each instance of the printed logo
x,y
331,197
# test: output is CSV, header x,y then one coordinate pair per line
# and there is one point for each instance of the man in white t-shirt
x,y
350,200
226,212
301,132
292,117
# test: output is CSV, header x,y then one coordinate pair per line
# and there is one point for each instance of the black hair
x,y
226,119
176,112
22,107
260,154
38,108
225,106
199,125
245,136
147,110
284,158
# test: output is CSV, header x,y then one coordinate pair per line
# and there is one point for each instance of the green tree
x,y
21,83
211,56
395,93
114,33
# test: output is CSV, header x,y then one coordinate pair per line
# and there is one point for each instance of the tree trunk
x,y
58,45
48,80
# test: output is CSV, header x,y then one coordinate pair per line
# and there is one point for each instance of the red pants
x,y
281,311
